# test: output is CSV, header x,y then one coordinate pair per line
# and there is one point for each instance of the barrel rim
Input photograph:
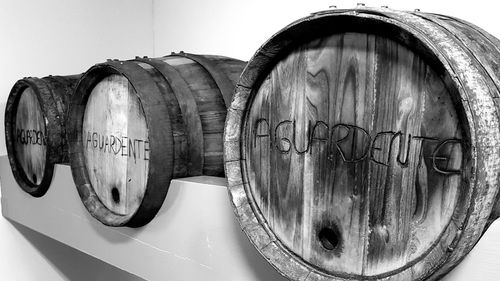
x,y
160,141
244,206
46,103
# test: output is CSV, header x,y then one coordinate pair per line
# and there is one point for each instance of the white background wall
x,y
39,38
237,28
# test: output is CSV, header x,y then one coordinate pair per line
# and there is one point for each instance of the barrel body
x,y
137,124
35,129
363,144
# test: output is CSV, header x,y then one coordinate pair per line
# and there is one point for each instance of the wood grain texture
x,y
480,92
211,110
184,118
363,145
346,152
157,149
221,79
35,129
30,144
485,48
126,149
116,141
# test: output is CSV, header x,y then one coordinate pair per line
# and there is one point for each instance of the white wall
x,y
38,38
238,28
224,27
26,255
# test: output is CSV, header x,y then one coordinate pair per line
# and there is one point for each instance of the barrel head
x,y
120,143
353,149
116,145
30,144
135,125
33,134
353,154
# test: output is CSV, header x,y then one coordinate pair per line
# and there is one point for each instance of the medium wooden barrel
x,y
137,124
35,131
364,144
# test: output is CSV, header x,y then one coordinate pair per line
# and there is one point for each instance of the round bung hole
x,y
329,238
115,194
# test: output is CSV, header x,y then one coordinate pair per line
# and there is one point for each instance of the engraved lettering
x,y
355,144
438,157
121,146
30,137
124,146
146,150
283,139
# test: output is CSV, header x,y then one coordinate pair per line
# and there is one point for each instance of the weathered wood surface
x,y
35,129
121,186
348,153
343,138
485,48
115,137
210,109
30,143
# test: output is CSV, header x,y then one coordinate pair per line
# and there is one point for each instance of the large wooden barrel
x,y
35,131
363,144
137,124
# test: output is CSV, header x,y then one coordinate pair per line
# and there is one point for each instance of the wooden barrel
x,y
137,124
35,131
363,144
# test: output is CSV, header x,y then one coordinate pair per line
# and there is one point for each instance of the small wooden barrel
x,y
364,145
138,124
35,131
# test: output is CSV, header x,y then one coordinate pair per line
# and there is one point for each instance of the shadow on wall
x,y
73,264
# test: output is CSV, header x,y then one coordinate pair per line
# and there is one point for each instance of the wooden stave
x,y
214,68
251,221
62,94
155,190
483,51
68,83
473,231
223,82
52,97
178,91
486,59
221,72
484,67
163,91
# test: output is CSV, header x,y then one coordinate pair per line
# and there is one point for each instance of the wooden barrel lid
x,y
30,118
139,123
116,144
30,142
354,151
120,137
